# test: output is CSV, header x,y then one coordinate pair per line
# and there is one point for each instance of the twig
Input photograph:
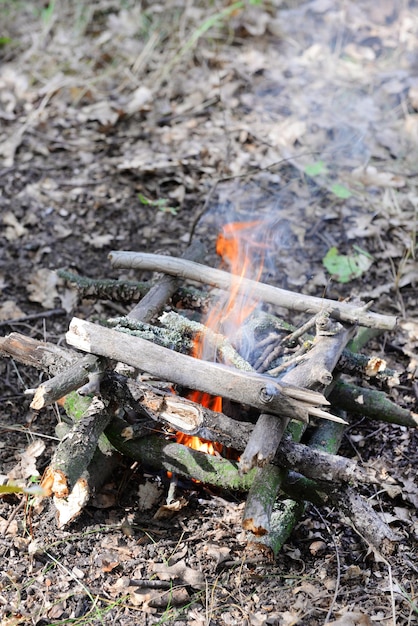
x,y
33,316
266,293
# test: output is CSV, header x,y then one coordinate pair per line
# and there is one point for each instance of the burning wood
x,y
265,459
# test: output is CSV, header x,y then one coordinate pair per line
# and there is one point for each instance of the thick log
x,y
244,387
265,293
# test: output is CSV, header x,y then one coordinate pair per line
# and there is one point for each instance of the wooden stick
x,y
73,377
65,476
265,293
244,387
258,509
39,354
156,453
314,372
371,403
189,417
158,295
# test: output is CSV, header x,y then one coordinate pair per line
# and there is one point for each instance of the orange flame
x,y
203,445
244,255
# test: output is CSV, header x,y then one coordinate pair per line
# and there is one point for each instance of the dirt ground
x,y
139,126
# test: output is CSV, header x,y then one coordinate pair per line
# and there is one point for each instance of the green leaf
x,y
315,169
341,191
75,405
143,199
36,490
347,267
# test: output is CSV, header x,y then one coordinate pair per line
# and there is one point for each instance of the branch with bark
x,y
266,293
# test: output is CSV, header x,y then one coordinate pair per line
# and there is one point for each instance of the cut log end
x,y
252,527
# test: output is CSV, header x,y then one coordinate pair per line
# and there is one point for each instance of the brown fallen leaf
x,y
352,619
181,572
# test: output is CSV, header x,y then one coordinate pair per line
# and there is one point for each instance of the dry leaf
x,y
10,311
98,241
26,467
14,228
371,177
181,572
42,287
352,619
138,99
148,495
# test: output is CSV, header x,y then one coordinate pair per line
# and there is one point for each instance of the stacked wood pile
x,y
293,379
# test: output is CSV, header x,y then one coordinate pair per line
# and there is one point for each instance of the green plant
x,y
346,267
319,168
162,204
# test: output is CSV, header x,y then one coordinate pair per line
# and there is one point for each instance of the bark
x,y
190,417
244,387
218,344
83,371
104,462
66,477
314,372
129,291
372,404
105,289
283,520
365,521
156,453
158,295
39,354
362,365
261,498
266,293
323,466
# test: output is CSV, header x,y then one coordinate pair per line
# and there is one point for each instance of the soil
x,y
140,126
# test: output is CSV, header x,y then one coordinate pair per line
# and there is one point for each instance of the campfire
x,y
239,383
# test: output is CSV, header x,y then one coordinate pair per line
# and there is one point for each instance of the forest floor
x,y
136,126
